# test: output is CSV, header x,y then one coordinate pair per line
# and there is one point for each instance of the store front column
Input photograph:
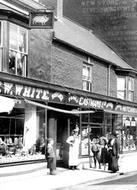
x,y
52,129
30,126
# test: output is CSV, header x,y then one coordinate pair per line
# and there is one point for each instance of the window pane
x,y
12,62
86,77
130,96
131,84
18,50
120,94
22,40
0,33
13,37
0,59
84,85
85,72
120,83
20,64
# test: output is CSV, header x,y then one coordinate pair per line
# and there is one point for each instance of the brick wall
x,y
135,92
99,78
39,55
113,83
66,67
58,64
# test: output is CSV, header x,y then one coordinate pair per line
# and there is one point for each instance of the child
x,y
50,155
96,152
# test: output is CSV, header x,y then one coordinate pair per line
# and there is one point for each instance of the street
x,y
127,182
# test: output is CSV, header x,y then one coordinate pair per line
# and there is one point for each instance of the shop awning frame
x,y
57,109
120,112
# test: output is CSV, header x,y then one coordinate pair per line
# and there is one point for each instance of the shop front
x,y
22,133
108,116
38,112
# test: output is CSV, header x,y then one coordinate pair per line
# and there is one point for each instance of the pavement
x,y
38,173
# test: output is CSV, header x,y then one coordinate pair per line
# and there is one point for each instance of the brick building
x,y
55,78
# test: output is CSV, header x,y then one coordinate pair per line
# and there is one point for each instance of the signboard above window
x,y
41,19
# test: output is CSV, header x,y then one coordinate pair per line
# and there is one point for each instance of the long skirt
x,y
113,163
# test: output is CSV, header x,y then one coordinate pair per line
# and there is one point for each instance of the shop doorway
x,y
65,124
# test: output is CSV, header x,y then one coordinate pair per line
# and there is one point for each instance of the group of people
x,y
104,151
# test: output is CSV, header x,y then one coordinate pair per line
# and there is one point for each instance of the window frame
x,y
1,45
1,34
25,53
126,89
89,65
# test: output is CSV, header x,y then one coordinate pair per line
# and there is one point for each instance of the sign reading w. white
x,y
41,19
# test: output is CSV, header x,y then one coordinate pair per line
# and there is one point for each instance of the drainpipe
x,y
59,9
108,80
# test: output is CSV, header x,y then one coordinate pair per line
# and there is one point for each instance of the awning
x,y
6,104
57,109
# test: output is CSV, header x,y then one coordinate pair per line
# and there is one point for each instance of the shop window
x,y
87,77
129,133
17,50
1,45
125,88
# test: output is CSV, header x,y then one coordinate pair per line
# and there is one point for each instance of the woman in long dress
x,y
73,142
104,153
113,153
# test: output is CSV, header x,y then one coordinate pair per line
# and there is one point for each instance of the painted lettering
x,y
8,88
32,95
45,95
18,89
27,91
38,93
57,95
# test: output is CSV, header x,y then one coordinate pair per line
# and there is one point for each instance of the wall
x,y
99,78
66,67
114,21
67,71
135,92
113,83
39,54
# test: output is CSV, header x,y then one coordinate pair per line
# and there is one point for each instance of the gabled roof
x,y
83,39
27,4
23,6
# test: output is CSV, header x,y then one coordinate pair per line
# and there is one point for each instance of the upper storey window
x,y
125,88
1,45
87,75
18,40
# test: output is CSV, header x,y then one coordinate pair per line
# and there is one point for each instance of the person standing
x,y
95,148
50,155
74,141
113,153
104,153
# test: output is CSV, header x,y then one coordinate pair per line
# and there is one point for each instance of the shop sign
x,y
129,121
91,103
126,109
41,19
100,104
30,92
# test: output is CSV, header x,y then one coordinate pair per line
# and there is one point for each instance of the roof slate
x,y
82,38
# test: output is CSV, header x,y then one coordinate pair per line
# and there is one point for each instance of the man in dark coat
x,y
113,153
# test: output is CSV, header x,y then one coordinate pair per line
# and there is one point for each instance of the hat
x,y
114,134
76,129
